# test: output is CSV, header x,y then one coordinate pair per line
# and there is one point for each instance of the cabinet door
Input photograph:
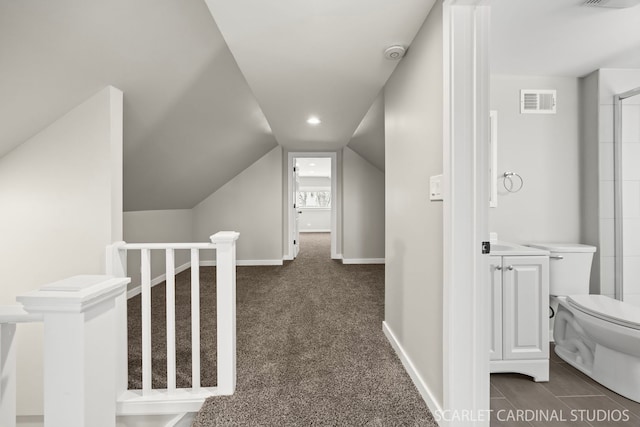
x,y
495,348
525,298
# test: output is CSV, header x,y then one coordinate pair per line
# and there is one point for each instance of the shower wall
x,y
598,177
631,198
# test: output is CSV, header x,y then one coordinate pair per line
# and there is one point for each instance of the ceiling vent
x,y
537,101
616,4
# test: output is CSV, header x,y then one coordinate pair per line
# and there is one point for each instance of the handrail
x,y
16,314
140,246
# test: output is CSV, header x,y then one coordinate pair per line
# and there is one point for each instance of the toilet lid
x,y
607,309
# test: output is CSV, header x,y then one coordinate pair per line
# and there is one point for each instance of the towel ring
x,y
512,187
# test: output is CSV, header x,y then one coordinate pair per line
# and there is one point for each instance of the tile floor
x,y
570,398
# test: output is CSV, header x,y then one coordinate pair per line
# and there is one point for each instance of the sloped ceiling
x,y
562,37
316,58
191,122
368,139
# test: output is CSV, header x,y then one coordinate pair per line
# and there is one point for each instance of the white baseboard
x,y
338,257
163,420
157,280
363,260
245,262
423,389
203,263
316,231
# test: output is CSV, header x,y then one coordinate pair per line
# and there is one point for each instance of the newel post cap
x,y
75,294
225,237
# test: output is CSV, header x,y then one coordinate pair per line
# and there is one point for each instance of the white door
x,y
495,349
525,288
296,212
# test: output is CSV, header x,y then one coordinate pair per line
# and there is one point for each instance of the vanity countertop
x,y
501,248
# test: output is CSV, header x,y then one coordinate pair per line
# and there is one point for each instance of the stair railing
x,y
172,399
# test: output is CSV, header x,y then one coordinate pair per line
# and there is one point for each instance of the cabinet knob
x,y
498,267
510,268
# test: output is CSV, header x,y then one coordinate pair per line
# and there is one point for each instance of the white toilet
x,y
596,334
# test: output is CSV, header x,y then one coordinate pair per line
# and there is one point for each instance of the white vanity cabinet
x,y
519,313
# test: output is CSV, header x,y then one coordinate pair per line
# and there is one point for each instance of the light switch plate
x,y
435,188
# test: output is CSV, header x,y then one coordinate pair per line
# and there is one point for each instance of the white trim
x,y
182,420
203,263
333,155
363,260
465,209
319,230
244,262
537,369
337,257
161,402
421,385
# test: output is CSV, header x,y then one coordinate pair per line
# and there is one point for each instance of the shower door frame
x,y
617,183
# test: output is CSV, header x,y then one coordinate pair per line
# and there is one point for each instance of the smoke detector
x,y
614,4
394,53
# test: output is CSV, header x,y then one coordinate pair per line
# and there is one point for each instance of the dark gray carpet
x,y
310,346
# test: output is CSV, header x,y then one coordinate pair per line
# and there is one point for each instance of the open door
x,y
296,211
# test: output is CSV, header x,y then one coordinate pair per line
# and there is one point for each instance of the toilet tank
x,y
569,267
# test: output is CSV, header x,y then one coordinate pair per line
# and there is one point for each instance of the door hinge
x,y
294,241
486,247
295,169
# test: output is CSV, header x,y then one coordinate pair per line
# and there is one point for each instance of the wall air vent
x,y
616,4
537,101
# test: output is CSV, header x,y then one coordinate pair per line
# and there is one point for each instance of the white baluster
x,y
8,375
145,272
195,319
171,321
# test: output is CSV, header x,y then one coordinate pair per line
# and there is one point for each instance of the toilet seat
x,y
608,309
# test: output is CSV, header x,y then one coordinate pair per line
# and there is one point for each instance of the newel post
x,y
80,364
116,266
225,242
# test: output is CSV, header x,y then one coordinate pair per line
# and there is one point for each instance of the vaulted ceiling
x,y
212,86
192,121
316,58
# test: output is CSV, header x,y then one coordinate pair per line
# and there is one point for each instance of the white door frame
x,y
334,199
466,208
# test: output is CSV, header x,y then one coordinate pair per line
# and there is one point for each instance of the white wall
x,y
414,225
61,206
363,208
251,203
315,219
589,173
545,150
167,226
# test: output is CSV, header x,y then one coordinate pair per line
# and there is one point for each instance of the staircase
x,y
85,342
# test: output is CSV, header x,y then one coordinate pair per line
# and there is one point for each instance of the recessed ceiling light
x,y
312,172
313,120
312,164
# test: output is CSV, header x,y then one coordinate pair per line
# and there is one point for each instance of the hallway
x,y
310,346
